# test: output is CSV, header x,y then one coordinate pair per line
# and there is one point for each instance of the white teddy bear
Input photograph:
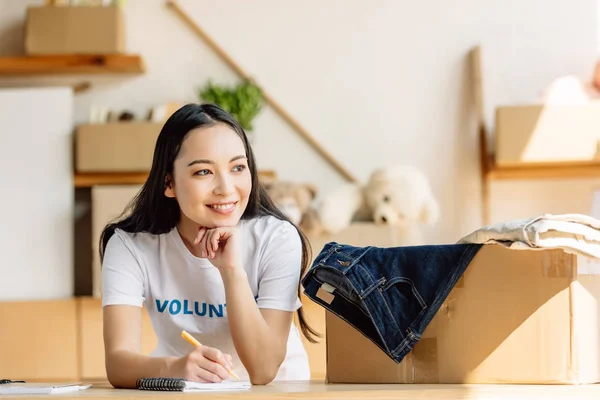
x,y
399,195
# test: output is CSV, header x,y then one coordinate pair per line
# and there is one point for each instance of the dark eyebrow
x,y
212,162
200,162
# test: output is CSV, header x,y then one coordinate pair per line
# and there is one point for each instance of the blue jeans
x,y
389,294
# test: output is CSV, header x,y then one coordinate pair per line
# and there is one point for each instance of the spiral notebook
x,y
182,385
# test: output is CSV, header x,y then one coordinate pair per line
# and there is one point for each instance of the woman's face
x,y
211,180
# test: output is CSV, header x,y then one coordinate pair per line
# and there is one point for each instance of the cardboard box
x,y
115,147
516,316
539,134
74,30
108,203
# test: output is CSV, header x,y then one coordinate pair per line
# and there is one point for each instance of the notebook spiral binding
x,y
169,384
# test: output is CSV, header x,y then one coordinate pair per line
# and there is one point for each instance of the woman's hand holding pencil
x,y
219,356
202,364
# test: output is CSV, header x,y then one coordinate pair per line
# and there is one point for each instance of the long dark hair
x,y
152,212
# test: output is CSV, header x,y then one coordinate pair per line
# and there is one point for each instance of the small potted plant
x,y
244,101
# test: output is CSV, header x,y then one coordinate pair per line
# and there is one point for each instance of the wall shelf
x,y
544,171
491,172
85,180
72,64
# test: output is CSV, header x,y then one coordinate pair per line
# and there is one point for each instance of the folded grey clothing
x,y
574,233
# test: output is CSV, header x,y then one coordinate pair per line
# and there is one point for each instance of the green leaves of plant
x,y
244,101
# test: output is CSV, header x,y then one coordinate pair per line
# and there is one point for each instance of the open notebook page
x,y
194,386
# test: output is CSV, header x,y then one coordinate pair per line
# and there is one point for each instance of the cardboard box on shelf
x,y
516,316
115,147
547,134
74,30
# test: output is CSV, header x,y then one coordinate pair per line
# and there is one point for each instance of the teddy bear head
x,y
401,196
293,199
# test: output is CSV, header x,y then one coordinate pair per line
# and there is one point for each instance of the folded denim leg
x,y
388,294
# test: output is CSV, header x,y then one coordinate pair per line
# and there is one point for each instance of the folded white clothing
x,y
574,233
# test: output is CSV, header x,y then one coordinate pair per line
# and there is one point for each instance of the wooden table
x,y
320,390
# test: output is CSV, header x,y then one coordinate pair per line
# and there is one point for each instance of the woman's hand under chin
x,y
221,246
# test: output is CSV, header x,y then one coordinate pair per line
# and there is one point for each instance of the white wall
x,y
36,194
375,82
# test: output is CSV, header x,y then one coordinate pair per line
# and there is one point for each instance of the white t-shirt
x,y
184,292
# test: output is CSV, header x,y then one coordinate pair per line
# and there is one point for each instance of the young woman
x,y
206,251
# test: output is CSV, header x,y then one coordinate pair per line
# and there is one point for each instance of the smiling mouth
x,y
223,206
